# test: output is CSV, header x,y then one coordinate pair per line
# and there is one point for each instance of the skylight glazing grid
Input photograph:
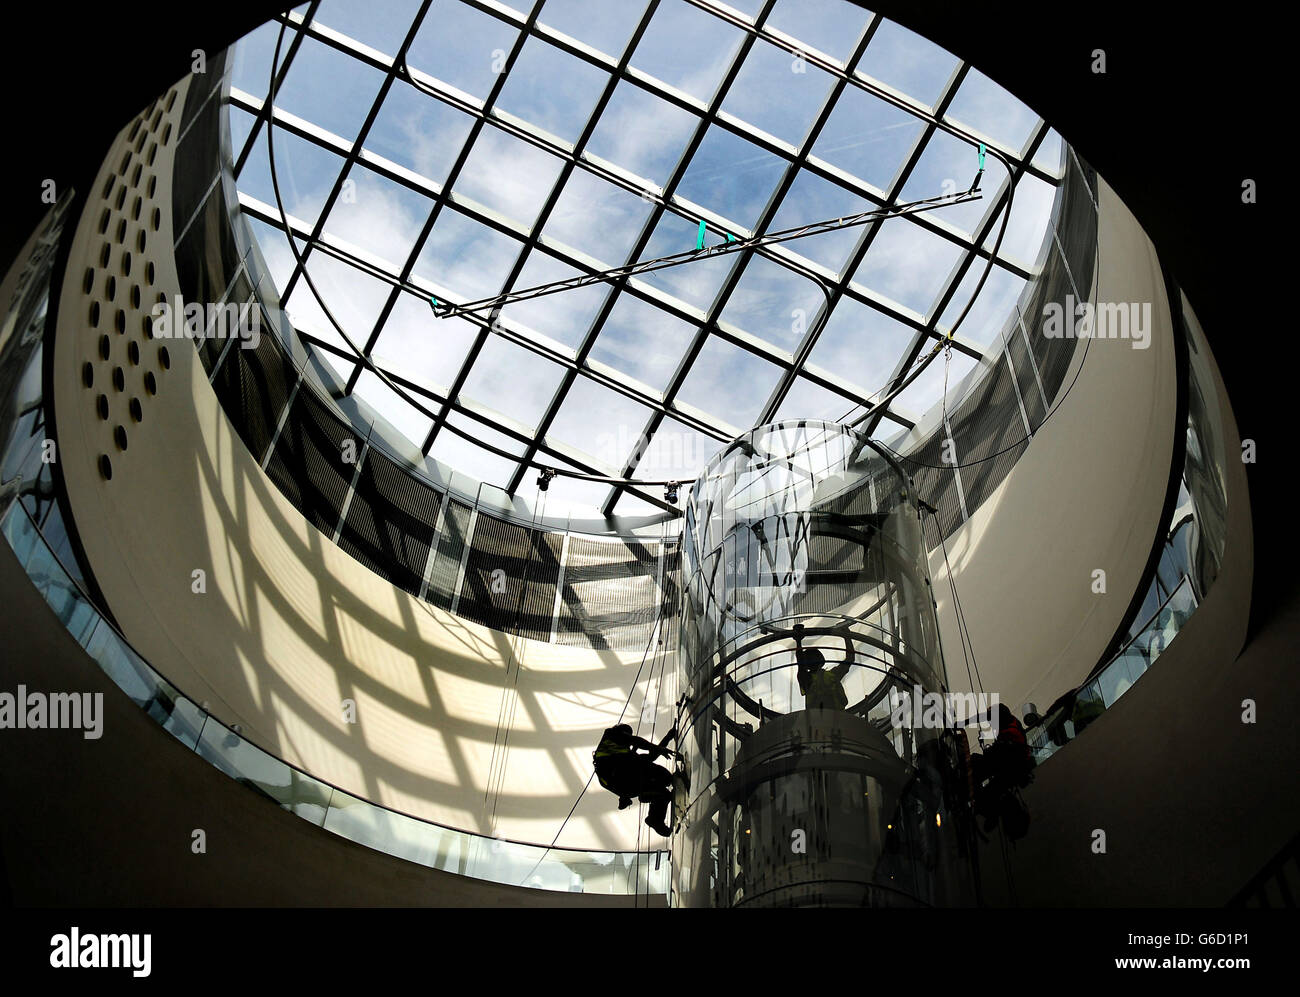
x,y
527,231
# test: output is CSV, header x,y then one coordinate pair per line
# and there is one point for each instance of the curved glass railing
x,y
1070,715
424,842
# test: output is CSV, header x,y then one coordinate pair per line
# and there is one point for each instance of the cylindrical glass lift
x,y
796,788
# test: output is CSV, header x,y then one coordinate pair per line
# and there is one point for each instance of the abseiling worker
x,y
822,687
622,770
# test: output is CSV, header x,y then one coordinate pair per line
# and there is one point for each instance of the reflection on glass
x,y
806,608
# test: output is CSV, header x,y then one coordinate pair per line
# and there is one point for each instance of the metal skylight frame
x,y
534,443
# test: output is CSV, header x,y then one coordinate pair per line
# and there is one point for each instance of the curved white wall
x,y
1086,495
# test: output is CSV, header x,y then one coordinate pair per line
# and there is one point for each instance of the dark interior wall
x,y
1192,800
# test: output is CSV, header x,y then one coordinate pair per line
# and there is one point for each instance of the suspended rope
x,y
510,693
645,655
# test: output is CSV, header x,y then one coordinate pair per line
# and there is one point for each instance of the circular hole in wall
x,y
164,358
88,374
94,314
119,437
137,413
133,353
101,406
105,348
105,467
119,379
150,383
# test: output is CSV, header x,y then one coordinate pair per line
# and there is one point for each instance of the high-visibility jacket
x,y
607,757
822,690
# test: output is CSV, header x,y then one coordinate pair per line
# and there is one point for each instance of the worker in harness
x,y
998,775
822,687
622,770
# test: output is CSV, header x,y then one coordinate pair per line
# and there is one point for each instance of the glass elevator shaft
x,y
806,613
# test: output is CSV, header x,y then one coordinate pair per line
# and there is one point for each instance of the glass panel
x,y
806,400
908,63
340,107
552,90
1050,154
774,303
463,47
989,110
464,258
778,93
380,26
274,245
418,132
947,166
305,170
598,220
907,264
1117,678
731,177
603,26
729,383
603,424
423,349
512,381
811,199
379,217
273,779
410,422
241,126
354,299
687,48
508,176
696,284
564,316
862,345
397,834
1027,229
675,452
642,133
990,312
869,138
470,459
642,340
253,54
830,26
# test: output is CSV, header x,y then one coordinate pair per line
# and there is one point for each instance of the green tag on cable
x,y
699,238
981,155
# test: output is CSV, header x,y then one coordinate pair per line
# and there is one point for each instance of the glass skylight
x,y
523,154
